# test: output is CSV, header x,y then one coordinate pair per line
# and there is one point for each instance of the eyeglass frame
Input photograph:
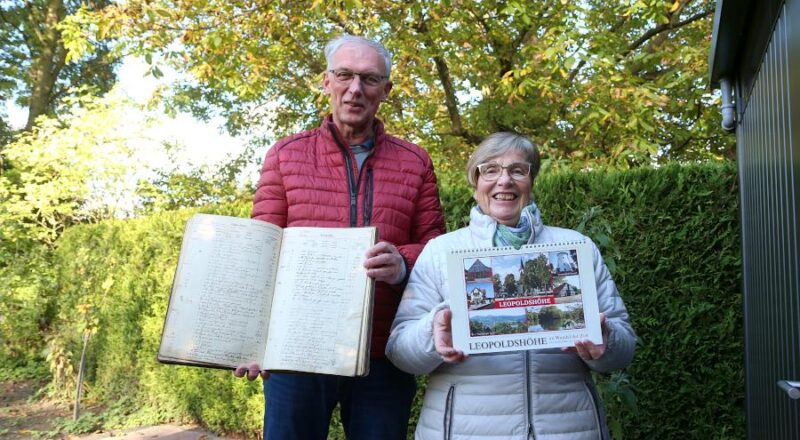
x,y
361,75
481,166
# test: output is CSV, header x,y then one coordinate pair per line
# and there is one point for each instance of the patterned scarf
x,y
516,235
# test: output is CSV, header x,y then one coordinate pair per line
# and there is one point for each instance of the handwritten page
x,y
220,304
321,289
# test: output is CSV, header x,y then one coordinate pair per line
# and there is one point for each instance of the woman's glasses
x,y
491,171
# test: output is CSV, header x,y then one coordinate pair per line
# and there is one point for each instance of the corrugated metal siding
x,y
768,164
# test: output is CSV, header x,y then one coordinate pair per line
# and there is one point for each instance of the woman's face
x,y
504,198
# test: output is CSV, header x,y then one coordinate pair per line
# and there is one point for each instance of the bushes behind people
x,y
670,236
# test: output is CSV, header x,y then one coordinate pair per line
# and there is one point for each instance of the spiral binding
x,y
527,247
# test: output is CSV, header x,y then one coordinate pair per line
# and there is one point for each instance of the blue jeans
x,y
299,406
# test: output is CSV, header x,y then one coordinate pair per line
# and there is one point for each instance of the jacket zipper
x,y
448,413
352,185
595,402
368,196
528,416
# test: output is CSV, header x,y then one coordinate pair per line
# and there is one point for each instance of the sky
x,y
203,142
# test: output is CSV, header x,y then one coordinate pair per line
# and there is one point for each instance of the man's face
x,y
355,103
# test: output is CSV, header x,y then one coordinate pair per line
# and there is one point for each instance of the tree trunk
x,y
47,59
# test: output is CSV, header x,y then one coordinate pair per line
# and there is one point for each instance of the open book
x,y
292,299
540,296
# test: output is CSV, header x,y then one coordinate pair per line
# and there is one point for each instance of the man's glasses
x,y
345,76
491,171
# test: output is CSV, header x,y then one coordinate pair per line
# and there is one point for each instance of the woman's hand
x,y
252,370
443,337
587,350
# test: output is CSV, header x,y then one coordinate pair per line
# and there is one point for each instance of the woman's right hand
x,y
443,337
252,370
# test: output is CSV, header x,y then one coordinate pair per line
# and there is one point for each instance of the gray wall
x,y
768,138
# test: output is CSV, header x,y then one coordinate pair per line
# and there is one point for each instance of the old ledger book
x,y
291,299
539,296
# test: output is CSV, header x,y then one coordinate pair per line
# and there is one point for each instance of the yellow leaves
x,y
675,6
84,309
188,36
106,286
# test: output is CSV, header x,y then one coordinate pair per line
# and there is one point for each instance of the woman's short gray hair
x,y
498,144
341,40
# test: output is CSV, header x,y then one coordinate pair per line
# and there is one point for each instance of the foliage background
x,y
600,86
592,82
669,235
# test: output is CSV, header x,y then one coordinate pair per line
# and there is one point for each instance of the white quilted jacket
x,y
537,394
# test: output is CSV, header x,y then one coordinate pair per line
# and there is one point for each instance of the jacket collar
x,y
329,128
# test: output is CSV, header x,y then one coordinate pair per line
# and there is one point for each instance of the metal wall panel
x,y
768,138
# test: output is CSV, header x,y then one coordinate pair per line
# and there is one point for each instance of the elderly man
x,y
348,173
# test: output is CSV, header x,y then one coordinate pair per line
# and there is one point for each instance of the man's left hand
x,y
384,263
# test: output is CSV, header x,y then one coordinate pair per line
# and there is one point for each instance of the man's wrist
x,y
403,278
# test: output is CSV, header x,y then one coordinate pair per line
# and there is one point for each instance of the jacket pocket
x,y
447,429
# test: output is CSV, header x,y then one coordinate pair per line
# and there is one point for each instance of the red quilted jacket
x,y
312,179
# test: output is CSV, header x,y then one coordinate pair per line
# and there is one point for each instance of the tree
x,y
507,328
65,172
548,316
173,188
35,70
498,285
62,172
510,285
592,83
535,274
477,328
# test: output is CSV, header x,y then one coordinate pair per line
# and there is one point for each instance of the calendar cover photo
x,y
540,296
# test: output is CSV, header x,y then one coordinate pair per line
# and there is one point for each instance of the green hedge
x,y
669,235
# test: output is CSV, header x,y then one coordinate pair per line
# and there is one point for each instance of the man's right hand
x,y
251,370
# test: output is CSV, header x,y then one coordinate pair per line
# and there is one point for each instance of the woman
x,y
543,394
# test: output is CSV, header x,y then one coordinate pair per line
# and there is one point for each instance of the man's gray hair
x,y
341,40
498,144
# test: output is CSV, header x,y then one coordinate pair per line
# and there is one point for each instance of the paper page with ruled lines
x,y
220,304
321,291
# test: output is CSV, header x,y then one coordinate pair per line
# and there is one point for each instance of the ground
x,y
24,416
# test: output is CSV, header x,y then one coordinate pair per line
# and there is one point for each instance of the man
x,y
348,173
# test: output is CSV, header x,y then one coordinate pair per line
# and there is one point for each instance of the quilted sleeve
x,y
410,346
621,338
428,220
269,202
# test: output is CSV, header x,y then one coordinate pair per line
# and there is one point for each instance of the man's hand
x,y
443,337
252,371
586,349
384,263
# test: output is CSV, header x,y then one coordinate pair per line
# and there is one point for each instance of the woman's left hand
x,y
587,350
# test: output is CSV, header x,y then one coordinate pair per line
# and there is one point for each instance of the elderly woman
x,y
543,394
